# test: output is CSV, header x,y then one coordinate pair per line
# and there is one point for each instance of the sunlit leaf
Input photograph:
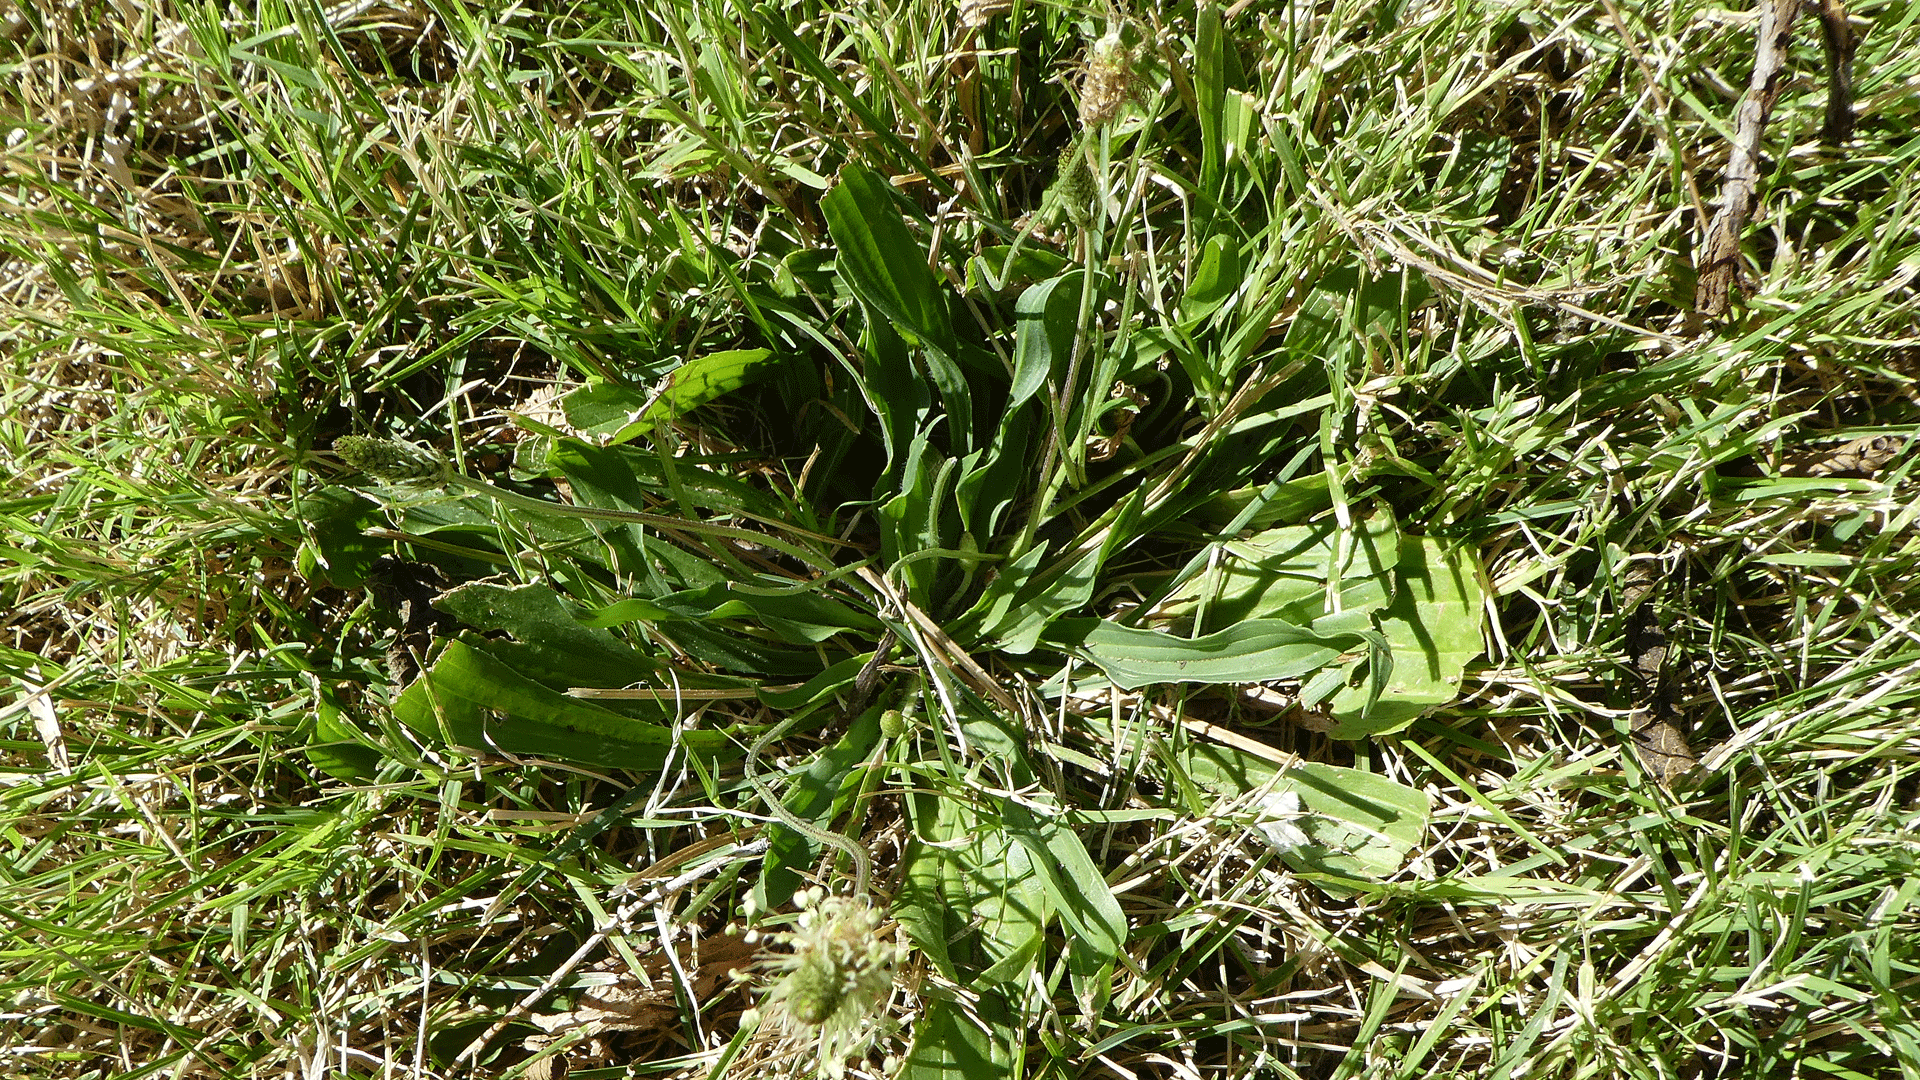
x,y
949,1045
1079,893
973,900
1044,325
1434,627
887,268
477,702
616,413
1252,651
1285,574
1320,818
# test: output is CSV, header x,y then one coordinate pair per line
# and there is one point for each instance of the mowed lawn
x,y
960,539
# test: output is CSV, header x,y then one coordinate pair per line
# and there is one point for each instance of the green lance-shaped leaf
x,y
337,549
476,701
1284,573
950,1045
1319,818
1074,883
1214,280
551,643
615,414
1252,651
1044,322
883,264
339,749
972,898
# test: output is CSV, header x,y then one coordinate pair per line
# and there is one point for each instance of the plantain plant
x,y
666,580
978,479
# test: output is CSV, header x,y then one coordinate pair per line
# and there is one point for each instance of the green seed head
x,y
815,990
1075,181
836,977
393,462
893,723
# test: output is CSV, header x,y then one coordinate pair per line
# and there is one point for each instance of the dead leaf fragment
x,y
46,724
1862,457
643,1000
977,13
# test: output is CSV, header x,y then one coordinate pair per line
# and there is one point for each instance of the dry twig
x,y
1719,261
1839,41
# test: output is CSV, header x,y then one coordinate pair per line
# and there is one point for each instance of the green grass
x,y
1410,270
